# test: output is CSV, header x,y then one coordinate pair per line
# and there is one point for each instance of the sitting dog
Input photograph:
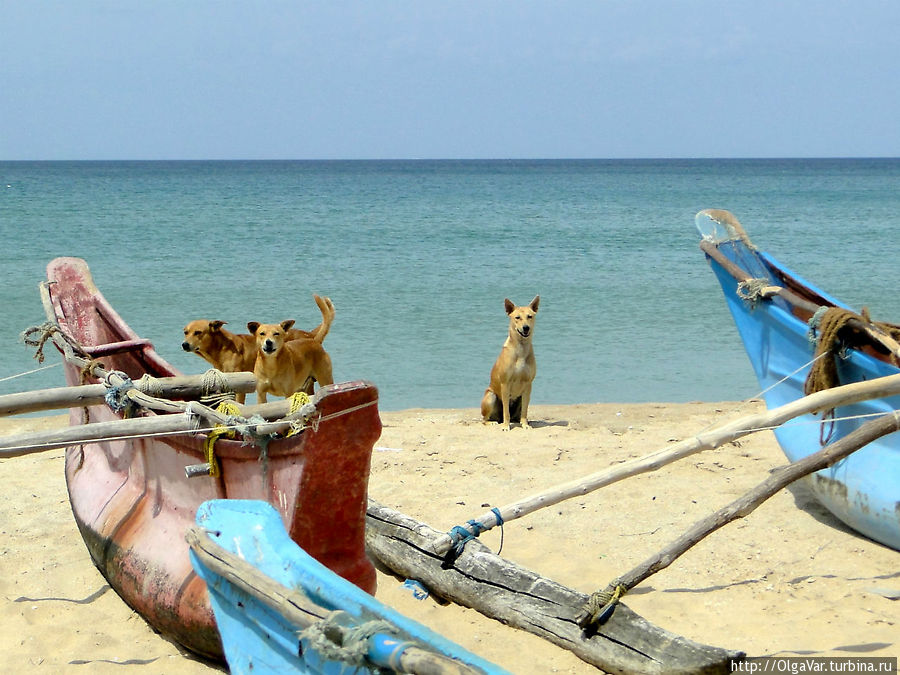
x,y
236,352
506,399
283,366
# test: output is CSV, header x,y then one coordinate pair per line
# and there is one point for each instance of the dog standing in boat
x,y
236,352
506,399
283,366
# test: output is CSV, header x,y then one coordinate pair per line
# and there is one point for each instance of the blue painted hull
x,y
258,640
862,490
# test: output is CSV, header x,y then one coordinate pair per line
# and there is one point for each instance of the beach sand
x,y
788,579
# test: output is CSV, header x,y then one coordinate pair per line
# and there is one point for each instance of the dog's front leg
x,y
526,396
504,399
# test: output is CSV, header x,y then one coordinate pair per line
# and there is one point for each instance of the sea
x,y
418,257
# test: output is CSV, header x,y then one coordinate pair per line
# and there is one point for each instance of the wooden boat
x,y
133,501
281,611
773,309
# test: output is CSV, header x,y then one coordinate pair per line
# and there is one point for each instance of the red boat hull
x,y
133,503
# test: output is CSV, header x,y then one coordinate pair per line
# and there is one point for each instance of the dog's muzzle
x,y
186,347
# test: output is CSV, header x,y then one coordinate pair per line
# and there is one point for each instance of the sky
x,y
334,79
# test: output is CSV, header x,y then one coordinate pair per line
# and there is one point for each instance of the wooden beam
x,y
502,590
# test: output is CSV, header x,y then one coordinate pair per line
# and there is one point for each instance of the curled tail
x,y
327,309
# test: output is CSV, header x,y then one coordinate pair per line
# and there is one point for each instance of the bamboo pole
x,y
705,440
159,425
602,601
189,386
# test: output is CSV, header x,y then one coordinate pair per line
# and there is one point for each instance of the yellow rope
x,y
297,400
219,430
600,602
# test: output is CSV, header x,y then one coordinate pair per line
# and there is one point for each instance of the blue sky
x,y
195,79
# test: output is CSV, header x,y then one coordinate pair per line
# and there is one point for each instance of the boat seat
x,y
110,348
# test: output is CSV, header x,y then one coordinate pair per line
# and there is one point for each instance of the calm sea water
x,y
419,255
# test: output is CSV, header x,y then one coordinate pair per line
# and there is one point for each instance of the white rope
x,y
30,372
743,404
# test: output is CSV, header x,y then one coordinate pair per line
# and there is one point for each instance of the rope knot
x,y
600,604
117,395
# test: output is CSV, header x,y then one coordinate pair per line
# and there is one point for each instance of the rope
x,y
825,331
826,327
299,402
214,388
30,372
600,604
334,640
227,408
152,386
46,330
460,536
116,395
752,290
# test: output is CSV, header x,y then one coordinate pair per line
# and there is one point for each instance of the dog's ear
x,y
216,325
253,326
509,305
286,324
534,303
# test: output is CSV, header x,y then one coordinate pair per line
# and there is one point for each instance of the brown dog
x,y
236,352
283,366
506,399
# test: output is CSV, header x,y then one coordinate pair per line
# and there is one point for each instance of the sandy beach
x,y
788,579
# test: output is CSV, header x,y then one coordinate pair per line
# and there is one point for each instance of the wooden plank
x,y
521,598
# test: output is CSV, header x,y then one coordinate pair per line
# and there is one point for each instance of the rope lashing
x,y
599,605
825,327
117,395
46,330
300,402
337,639
214,388
219,430
460,536
753,290
152,386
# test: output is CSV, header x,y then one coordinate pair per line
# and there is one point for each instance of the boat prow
x,y
776,312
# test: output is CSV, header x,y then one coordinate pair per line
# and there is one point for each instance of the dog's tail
x,y
327,309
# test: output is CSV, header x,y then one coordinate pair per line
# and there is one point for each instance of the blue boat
x,y
777,313
278,610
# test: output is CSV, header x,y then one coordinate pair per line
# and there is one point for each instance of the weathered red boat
x,y
133,501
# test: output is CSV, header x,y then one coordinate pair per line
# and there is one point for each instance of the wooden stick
x,y
161,425
187,387
705,440
865,434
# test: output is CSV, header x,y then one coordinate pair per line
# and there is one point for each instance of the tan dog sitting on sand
x,y
283,366
506,399
236,352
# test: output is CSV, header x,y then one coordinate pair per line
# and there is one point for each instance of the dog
x,y
236,352
506,399
284,366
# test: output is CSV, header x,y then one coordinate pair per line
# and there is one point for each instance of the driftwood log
x,y
523,599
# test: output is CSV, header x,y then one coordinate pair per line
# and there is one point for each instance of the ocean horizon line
x,y
451,159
